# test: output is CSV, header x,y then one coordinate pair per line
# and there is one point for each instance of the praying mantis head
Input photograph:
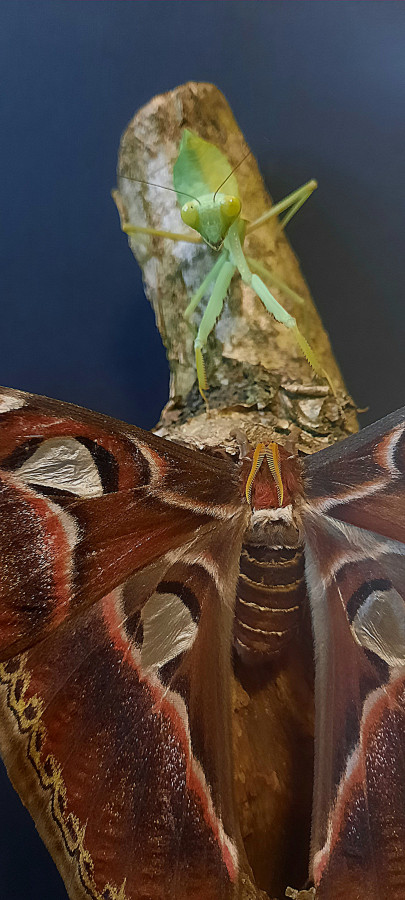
x,y
212,216
200,171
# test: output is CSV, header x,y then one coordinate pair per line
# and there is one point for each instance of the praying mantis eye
x,y
230,206
189,214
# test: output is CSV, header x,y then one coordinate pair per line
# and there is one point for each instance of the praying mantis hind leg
x,y
210,316
281,315
292,203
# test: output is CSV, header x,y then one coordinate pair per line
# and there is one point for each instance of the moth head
x,y
271,485
272,479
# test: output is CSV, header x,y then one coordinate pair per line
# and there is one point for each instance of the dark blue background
x,y
318,89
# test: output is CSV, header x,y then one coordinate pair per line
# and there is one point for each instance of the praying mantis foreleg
x,y
199,294
210,316
262,270
281,315
272,305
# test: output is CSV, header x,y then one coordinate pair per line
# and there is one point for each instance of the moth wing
x,y
360,481
354,527
92,500
115,711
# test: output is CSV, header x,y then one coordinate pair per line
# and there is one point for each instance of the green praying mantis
x,y
200,173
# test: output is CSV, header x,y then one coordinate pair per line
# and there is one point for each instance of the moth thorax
x,y
274,528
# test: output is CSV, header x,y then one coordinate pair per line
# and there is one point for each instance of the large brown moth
x,y
130,568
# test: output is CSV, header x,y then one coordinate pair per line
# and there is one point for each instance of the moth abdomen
x,y
271,587
269,599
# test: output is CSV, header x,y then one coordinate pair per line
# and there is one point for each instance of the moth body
x,y
270,595
271,586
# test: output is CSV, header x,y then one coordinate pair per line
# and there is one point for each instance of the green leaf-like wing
x,y
200,169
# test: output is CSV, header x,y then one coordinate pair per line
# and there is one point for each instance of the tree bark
x,y
260,383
